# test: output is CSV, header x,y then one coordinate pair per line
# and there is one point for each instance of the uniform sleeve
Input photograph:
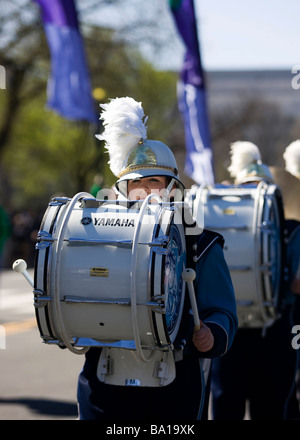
x,y
216,299
293,253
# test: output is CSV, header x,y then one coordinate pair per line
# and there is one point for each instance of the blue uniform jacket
x,y
217,308
214,293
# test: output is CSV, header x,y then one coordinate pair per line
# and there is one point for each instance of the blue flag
x,y
192,97
69,88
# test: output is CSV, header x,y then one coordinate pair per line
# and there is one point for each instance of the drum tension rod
x,y
157,304
159,245
159,241
56,201
44,239
40,299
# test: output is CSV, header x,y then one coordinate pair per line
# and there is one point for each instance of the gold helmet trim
x,y
138,167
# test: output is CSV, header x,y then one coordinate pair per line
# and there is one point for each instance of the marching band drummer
x,y
144,166
260,365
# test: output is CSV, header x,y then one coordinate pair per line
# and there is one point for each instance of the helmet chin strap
x,y
168,189
123,189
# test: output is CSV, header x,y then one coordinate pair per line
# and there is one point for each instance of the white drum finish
x,y
250,219
100,282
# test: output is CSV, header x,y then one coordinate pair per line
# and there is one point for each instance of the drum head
x,y
173,282
166,268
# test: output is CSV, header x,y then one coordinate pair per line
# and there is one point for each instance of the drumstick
x,y
189,275
21,266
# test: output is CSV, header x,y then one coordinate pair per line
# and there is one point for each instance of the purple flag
x,y
69,88
192,97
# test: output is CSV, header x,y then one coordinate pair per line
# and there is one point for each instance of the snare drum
x,y
108,274
250,218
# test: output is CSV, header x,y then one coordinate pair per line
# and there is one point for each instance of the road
x,y
37,381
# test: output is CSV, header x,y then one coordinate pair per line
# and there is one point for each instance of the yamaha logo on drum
x,y
86,220
106,221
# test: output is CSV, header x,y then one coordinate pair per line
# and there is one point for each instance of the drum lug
x,y
40,299
265,269
157,304
266,226
159,245
57,201
44,239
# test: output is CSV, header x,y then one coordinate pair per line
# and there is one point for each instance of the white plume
x,y
124,126
292,158
242,155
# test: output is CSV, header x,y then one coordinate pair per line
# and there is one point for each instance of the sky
x,y
256,34
234,34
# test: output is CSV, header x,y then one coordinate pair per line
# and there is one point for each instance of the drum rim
x,y
46,281
169,337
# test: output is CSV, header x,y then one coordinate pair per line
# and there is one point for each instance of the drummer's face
x,y
139,189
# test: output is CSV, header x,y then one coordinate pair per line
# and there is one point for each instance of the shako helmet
x,y
131,154
246,165
291,157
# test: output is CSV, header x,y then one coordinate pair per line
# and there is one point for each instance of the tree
x,y
43,153
48,154
252,120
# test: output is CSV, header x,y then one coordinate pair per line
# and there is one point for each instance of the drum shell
x,y
250,218
94,279
77,262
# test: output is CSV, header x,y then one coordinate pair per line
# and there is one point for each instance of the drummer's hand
x,y
203,339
